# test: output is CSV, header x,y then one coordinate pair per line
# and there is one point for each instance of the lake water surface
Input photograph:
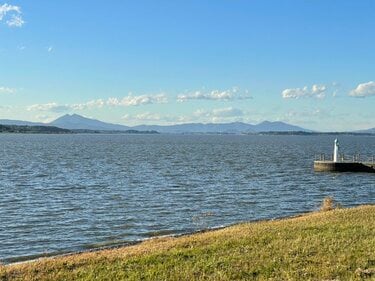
x,y
64,193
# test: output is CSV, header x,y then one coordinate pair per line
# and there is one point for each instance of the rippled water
x,y
63,193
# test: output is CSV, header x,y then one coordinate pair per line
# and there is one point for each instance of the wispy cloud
x,y
306,114
5,107
155,118
12,14
316,91
129,100
15,21
52,107
44,118
7,90
143,117
364,90
99,103
59,108
218,95
201,115
219,112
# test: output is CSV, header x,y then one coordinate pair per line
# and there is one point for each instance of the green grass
x,y
331,245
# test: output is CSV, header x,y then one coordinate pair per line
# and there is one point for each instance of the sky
x,y
307,63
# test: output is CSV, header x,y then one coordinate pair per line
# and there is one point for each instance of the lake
x,y
64,193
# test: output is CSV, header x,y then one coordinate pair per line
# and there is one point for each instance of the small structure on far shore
x,y
340,164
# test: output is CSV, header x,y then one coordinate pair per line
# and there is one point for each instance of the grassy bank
x,y
332,245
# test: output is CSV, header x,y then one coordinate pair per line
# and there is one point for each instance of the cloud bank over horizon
x,y
204,112
126,101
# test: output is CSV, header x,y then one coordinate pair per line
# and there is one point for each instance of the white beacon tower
x,y
336,151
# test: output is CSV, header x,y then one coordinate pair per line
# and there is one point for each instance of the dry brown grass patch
x,y
328,204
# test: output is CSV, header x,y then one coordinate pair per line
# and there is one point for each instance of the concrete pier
x,y
340,164
331,166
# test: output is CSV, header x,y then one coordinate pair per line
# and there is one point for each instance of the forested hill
x,y
33,129
26,129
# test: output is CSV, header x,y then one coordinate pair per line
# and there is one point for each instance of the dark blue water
x,y
63,193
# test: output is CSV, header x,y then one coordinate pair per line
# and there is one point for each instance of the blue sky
x,y
309,63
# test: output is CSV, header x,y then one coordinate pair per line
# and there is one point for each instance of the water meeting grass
x,y
327,245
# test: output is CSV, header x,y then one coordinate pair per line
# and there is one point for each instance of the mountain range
x,y
235,127
78,122
369,131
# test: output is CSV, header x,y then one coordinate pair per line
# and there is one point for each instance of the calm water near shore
x,y
63,193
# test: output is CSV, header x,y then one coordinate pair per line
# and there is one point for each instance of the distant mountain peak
x,y
75,121
72,117
368,131
278,126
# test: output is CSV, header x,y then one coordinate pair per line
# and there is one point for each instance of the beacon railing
x,y
356,158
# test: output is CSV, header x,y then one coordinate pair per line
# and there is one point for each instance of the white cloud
x,y
131,100
6,90
317,91
113,101
231,94
364,90
6,8
13,13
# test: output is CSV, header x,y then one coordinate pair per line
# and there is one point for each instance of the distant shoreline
x,y
27,129
301,133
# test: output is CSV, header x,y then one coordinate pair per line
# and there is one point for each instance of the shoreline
x,y
120,245
330,244
124,245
